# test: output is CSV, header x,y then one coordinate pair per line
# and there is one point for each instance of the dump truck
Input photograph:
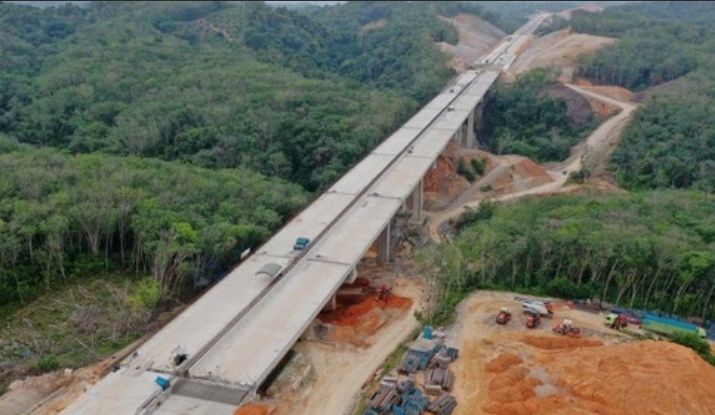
x,y
668,326
533,319
616,321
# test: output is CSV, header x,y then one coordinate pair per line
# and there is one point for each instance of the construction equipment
x,y
383,293
616,321
545,310
533,319
566,328
504,316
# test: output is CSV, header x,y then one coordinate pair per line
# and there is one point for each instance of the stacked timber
x,y
438,379
384,399
442,405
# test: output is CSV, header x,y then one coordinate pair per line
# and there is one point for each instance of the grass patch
x,y
77,325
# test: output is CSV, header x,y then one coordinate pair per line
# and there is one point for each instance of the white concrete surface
x,y
255,346
397,141
180,405
360,176
120,392
309,223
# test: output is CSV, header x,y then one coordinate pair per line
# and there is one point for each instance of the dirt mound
x,y
645,377
253,410
558,49
354,314
555,342
502,363
476,37
353,323
517,173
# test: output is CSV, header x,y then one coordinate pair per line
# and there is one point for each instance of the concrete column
x,y
383,246
417,202
471,138
463,134
352,277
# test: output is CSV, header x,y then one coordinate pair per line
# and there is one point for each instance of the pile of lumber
x,y
442,405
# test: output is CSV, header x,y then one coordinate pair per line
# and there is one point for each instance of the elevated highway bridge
x,y
236,334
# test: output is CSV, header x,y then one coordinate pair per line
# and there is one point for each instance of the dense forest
x,y
286,100
665,52
642,250
522,118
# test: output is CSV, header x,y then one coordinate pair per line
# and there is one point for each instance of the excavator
x,y
566,328
504,316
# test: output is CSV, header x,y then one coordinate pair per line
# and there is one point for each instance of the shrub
x,y
478,165
47,363
693,341
146,295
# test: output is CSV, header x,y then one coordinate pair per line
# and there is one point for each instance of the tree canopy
x,y
665,54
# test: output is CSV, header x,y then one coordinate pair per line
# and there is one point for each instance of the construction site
x,y
367,354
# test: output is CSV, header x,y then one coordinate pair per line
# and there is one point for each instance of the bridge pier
x,y
384,247
471,136
417,202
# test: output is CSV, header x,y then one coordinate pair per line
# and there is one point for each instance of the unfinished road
x,y
598,145
238,331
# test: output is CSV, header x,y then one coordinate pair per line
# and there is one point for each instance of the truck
x,y
668,326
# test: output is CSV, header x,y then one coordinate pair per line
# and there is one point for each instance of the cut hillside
x,y
558,49
566,14
476,37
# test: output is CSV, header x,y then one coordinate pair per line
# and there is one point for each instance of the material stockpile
x,y
355,323
432,359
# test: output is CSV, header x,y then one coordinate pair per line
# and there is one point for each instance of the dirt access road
x,y
342,369
597,146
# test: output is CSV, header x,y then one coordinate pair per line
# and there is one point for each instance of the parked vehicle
x,y
300,243
630,317
616,321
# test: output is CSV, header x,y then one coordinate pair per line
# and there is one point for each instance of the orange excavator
x,y
504,316
566,328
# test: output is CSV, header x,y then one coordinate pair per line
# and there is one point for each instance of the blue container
x,y
427,332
